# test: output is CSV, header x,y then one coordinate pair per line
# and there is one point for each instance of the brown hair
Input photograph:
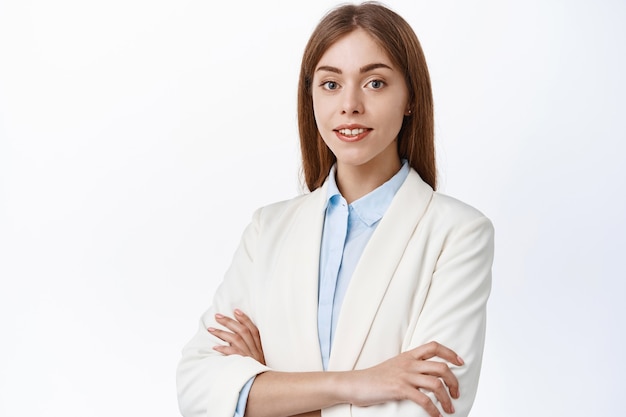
x,y
393,33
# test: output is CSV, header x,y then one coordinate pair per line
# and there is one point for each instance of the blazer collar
x,y
298,269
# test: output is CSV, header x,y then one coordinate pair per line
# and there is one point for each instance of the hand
x,y
401,377
245,339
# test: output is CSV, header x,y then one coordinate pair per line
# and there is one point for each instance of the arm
x,y
207,381
467,252
283,394
454,311
399,378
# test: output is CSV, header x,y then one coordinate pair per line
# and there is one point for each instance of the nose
x,y
352,101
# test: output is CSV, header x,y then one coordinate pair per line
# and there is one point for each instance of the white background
x,y
137,137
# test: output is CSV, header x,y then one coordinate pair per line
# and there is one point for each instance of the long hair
x,y
395,36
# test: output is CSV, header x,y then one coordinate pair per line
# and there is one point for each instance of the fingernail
x,y
219,316
211,329
238,312
460,359
452,408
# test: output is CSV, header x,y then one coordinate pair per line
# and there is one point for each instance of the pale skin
x,y
360,100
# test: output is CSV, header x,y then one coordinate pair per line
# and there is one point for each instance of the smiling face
x,y
359,101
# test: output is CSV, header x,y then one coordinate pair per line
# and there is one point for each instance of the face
x,y
359,101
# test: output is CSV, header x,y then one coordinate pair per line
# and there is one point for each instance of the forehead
x,y
356,48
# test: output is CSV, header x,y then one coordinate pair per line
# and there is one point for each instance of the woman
x,y
360,297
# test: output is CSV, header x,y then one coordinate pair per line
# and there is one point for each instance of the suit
x,y
424,275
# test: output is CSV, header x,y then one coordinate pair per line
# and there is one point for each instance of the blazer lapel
x,y
294,297
375,270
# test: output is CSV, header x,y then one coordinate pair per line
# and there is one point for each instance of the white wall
x,y
137,137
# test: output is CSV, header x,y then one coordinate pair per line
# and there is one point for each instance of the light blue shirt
x,y
347,229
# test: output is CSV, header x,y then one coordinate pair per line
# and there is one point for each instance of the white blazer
x,y
424,275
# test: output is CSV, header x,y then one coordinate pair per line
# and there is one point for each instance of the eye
x,y
376,84
330,85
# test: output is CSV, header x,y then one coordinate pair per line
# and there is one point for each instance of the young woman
x,y
361,297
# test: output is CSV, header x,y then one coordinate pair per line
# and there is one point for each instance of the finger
x,y
236,345
232,339
443,371
425,402
437,387
240,338
228,350
254,331
242,331
432,349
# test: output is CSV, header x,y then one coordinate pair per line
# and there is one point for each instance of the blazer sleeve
x,y
208,383
453,314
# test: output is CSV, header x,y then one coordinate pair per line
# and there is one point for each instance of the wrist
x,y
344,387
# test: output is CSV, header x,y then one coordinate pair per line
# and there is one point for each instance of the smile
x,y
352,133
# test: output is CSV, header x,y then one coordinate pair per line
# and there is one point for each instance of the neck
x,y
356,181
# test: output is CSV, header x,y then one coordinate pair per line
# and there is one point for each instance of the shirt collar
x,y
332,189
371,207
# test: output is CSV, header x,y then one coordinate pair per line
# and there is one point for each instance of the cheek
x,y
320,110
394,118
323,120
395,112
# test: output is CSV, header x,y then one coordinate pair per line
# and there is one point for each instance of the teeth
x,y
351,132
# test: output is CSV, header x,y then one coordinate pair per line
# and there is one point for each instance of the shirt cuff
x,y
243,398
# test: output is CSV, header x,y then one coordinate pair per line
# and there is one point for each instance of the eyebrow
x,y
362,70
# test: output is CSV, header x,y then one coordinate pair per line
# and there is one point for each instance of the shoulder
x,y
456,221
444,215
447,206
281,211
439,206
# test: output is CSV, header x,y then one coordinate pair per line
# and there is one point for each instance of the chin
x,y
353,161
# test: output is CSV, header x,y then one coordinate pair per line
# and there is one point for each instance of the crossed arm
x,y
414,382
403,377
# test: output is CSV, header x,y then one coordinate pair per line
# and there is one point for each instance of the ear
x,y
408,112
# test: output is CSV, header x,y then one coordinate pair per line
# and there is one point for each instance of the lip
x,y
356,138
